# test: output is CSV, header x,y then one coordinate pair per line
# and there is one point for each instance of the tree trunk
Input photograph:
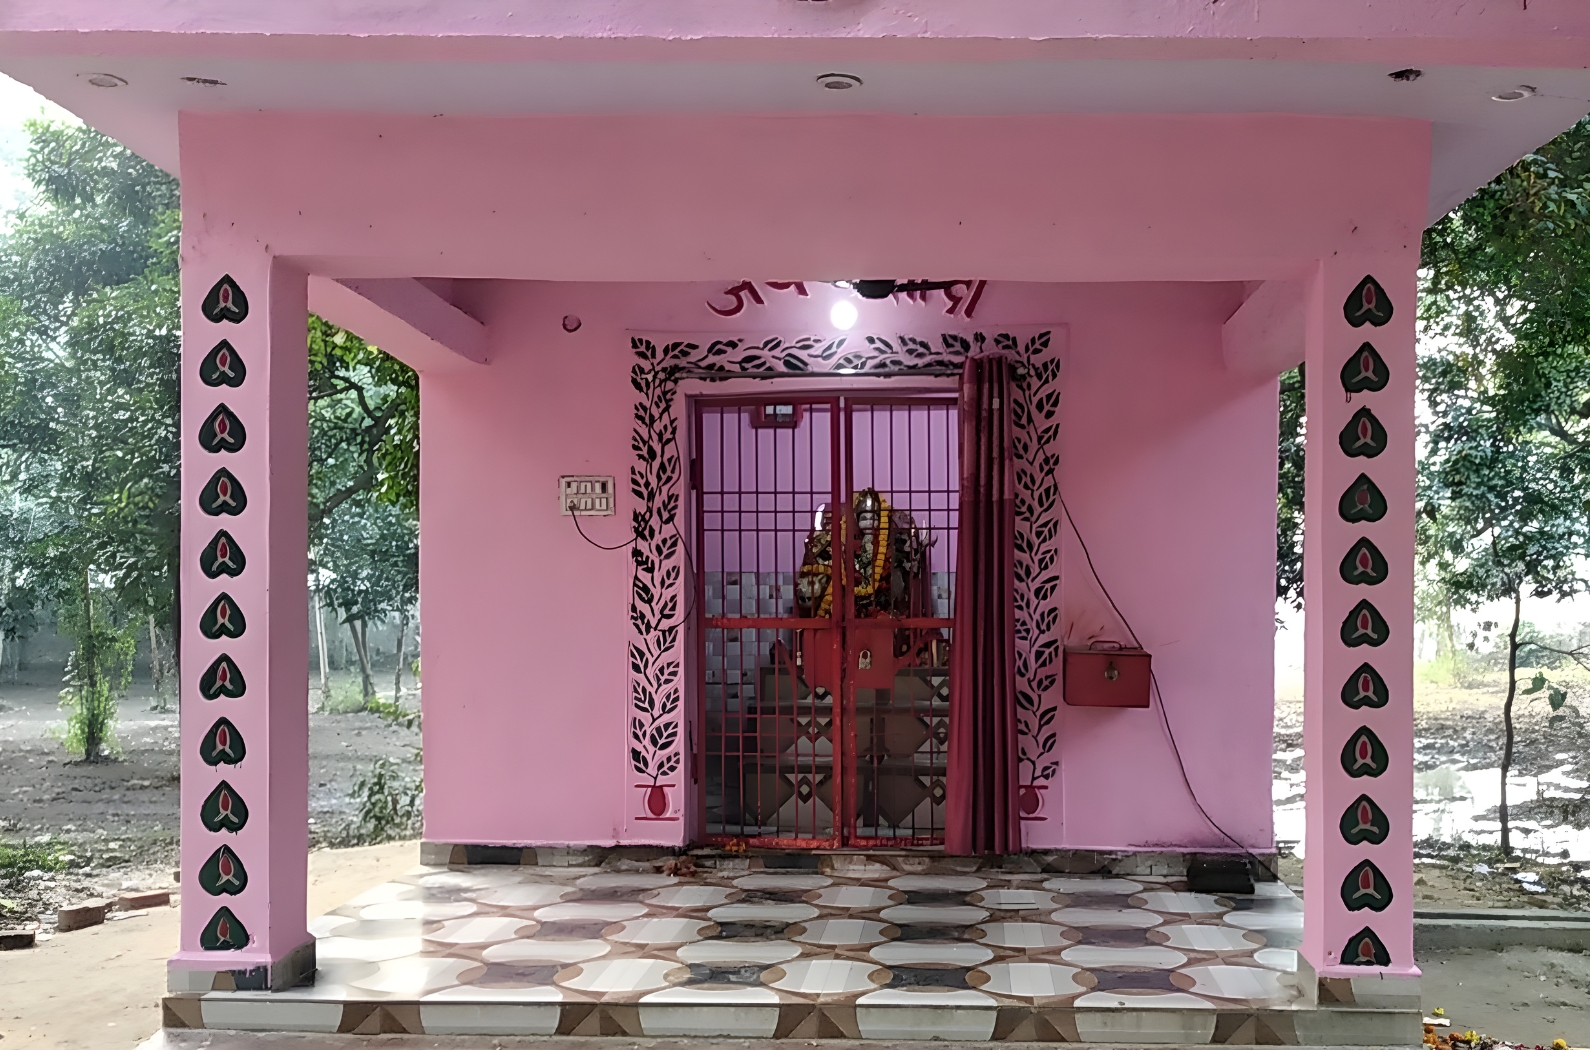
x,y
157,676
1507,717
320,638
397,676
174,628
88,673
360,632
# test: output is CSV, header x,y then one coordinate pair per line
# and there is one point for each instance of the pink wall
x,y
1165,453
1045,198
526,671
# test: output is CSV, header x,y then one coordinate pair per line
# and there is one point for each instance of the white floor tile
x,y
625,975
639,880
763,912
783,881
531,895
934,914
765,952
1014,900
841,932
1024,935
855,897
1277,958
416,976
440,1018
1032,979
590,911
420,910
653,932
1147,957
481,929
1202,938
691,896
1184,903
916,953
539,951
828,976
1236,982
705,1019
475,993
938,883
1119,918
366,949
1086,884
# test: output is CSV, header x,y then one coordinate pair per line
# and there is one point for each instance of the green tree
x,y
1505,371
89,349
1289,493
97,674
363,485
1503,509
367,563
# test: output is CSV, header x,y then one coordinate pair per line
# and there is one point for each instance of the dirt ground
x,y
1524,995
118,819
100,988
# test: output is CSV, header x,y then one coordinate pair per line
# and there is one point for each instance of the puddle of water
x,y
1446,803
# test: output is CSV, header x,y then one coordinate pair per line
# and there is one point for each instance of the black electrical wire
x,y
1153,678
684,548
573,514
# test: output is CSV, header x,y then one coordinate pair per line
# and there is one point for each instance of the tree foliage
x,y
1289,493
89,410
1505,372
89,349
363,483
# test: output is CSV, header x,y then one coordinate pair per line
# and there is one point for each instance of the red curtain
x,y
981,805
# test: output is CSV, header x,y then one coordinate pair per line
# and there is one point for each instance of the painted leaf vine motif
x,y
1037,553
656,476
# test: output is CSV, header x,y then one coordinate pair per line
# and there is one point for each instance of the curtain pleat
x,y
981,803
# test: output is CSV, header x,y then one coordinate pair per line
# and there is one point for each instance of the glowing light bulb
x,y
843,315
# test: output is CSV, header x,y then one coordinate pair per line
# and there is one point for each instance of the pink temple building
x,y
845,642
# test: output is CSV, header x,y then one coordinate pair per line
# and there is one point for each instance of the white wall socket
x,y
588,495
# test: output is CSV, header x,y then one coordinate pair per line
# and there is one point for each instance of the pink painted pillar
x,y
245,723
1358,590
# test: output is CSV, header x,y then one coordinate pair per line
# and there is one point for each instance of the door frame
x,y
842,623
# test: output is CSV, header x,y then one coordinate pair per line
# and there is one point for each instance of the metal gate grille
x,y
905,452
825,693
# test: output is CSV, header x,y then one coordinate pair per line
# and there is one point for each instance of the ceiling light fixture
x,y
204,81
842,315
839,81
1406,76
882,289
104,80
1516,94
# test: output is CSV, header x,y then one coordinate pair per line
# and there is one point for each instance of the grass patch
x,y
19,858
393,712
344,698
390,804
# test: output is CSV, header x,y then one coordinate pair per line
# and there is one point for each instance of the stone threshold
x,y
1125,863
1340,1025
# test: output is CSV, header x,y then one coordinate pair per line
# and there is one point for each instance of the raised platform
x,y
872,953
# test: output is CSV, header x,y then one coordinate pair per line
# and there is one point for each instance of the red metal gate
x,y
825,694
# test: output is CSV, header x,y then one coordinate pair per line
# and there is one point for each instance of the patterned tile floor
x,y
759,949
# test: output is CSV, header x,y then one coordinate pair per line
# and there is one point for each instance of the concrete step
x,y
1435,929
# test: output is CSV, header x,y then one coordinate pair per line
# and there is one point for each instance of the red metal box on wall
x,y
1106,678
